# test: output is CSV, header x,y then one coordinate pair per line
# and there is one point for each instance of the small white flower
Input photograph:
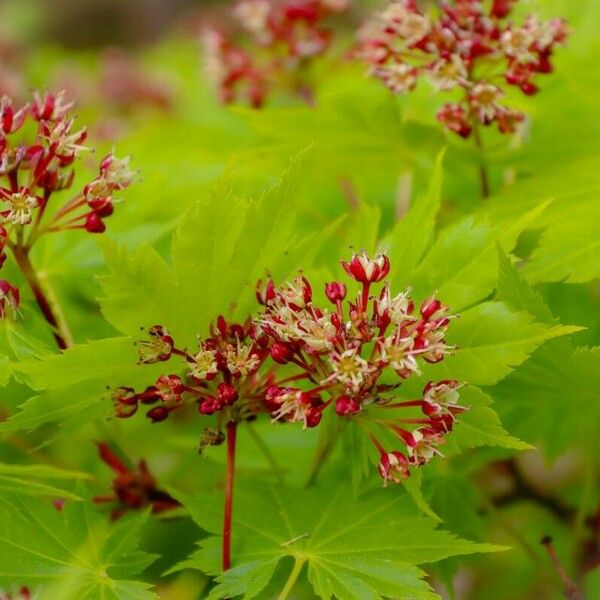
x,y
118,173
483,98
447,74
316,333
409,25
241,361
399,77
253,14
399,355
517,43
204,364
350,369
21,207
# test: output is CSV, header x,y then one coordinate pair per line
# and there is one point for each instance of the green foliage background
x,y
225,196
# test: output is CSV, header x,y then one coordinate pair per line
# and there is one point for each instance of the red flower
x,y
133,489
9,299
393,466
366,270
280,37
404,44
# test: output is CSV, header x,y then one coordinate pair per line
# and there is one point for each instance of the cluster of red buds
x,y
133,489
471,47
35,170
221,376
296,360
281,37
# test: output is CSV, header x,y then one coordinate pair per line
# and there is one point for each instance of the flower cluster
x,y
221,376
281,37
467,48
352,357
133,488
34,171
296,360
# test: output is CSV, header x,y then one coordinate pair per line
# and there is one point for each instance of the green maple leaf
x,y
224,243
552,400
71,554
72,386
492,340
480,425
462,265
33,480
569,250
353,549
412,235
544,400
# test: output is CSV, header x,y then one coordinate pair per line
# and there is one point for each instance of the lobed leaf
x,y
492,340
71,554
353,549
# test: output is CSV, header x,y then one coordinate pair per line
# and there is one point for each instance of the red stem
x,y
402,404
365,296
14,181
28,271
231,434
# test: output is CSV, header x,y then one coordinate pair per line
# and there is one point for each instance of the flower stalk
x,y
59,329
229,485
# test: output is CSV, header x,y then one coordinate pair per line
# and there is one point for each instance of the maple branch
x,y
571,590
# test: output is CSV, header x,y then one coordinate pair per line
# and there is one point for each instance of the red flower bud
x,y
94,223
346,406
313,417
281,353
273,397
150,395
209,405
158,414
529,89
266,296
431,307
103,207
501,8
335,291
226,394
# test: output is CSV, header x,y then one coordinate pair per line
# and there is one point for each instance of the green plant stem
x,y
289,584
587,491
484,180
321,455
59,331
264,448
228,510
